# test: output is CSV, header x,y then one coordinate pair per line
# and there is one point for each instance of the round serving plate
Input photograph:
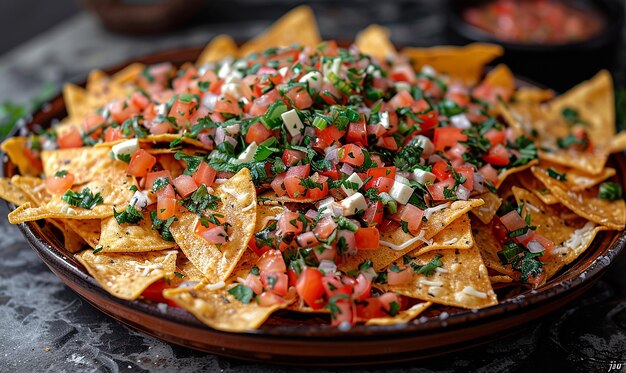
x,y
306,339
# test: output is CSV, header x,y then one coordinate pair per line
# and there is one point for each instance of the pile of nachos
x,y
290,173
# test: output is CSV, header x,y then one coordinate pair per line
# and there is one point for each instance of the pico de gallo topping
x,y
366,146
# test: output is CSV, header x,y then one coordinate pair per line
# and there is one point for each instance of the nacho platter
x,y
285,323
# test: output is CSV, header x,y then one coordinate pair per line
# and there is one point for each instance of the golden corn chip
x,y
578,180
87,230
14,148
591,163
457,235
272,199
402,317
375,40
531,183
487,211
571,237
13,193
72,241
169,137
220,310
462,280
75,99
126,276
488,245
501,76
129,74
405,242
464,63
86,164
586,204
189,271
298,26
595,103
129,238
618,143
500,279
219,48
33,187
533,95
238,206
511,171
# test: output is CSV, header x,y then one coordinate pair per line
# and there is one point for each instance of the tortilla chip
x,y
238,206
87,230
595,102
586,204
189,271
487,211
71,241
571,237
220,310
13,193
130,238
511,171
270,198
591,163
129,74
437,222
618,143
219,48
402,317
75,98
500,279
375,40
488,245
578,180
14,148
464,282
169,137
530,182
457,235
86,164
465,63
34,187
532,95
298,26
126,276
501,76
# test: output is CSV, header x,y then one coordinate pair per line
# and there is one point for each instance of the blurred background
x,y
46,43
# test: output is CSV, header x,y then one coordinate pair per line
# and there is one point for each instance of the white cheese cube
x,y
401,192
423,177
283,70
224,70
352,204
384,119
354,178
402,86
424,143
248,155
314,78
231,89
292,122
142,199
429,71
127,147
460,121
402,179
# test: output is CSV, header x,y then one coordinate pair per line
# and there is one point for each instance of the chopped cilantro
x,y
610,191
556,175
129,216
84,199
242,293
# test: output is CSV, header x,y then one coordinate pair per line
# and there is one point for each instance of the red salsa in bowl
x,y
536,21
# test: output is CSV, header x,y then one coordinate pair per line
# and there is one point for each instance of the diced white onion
x,y
535,247
327,266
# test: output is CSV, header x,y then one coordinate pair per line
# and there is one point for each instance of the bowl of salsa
x,y
543,38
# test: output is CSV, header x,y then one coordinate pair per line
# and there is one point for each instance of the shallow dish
x,y
303,339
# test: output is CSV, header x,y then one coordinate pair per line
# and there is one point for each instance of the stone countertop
x,y
44,326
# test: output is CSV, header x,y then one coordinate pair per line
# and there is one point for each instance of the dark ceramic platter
x,y
289,338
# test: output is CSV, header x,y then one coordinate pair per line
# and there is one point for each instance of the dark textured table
x,y
44,326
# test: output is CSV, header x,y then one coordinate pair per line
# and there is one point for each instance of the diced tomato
x,y
307,239
277,184
93,125
121,110
185,185
374,214
497,156
275,282
151,177
401,99
351,154
141,162
258,133
254,283
293,180
292,157
324,228
546,243
357,132
59,184
334,286
289,223
271,261
182,111
325,253
330,134
387,142
362,288
154,293
167,191
161,128
70,139
268,299
446,137
367,238
166,207
441,170
455,153
389,172
318,193
112,134
489,173
499,231
344,312
205,174
215,234
436,190
371,308
383,184
413,216
331,95
140,100
512,221
495,136
310,287
389,298
468,173
400,276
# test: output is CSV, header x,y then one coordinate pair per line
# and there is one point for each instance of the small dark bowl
x,y
558,66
